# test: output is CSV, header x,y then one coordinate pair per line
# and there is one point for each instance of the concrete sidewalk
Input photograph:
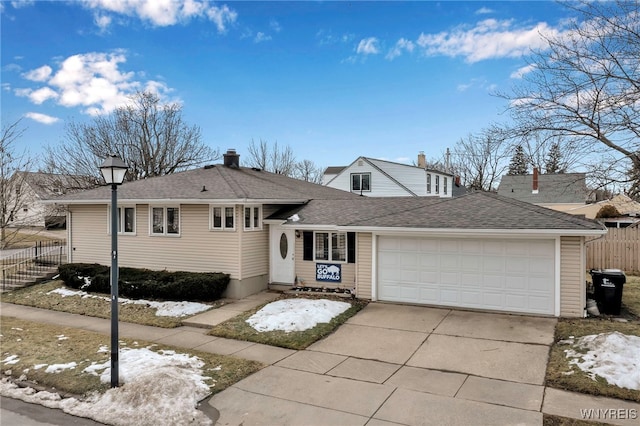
x,y
389,364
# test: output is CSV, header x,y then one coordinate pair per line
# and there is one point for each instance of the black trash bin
x,y
607,285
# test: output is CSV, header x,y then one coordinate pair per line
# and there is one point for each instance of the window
x,y
444,185
331,246
223,218
437,184
360,182
126,217
252,218
428,183
126,220
165,220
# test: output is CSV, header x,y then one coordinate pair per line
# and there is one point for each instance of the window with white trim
x,y
223,218
360,182
126,220
444,185
428,183
165,220
252,218
437,184
330,246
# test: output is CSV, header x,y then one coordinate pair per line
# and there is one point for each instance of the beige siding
x,y
364,265
572,270
306,271
254,247
196,249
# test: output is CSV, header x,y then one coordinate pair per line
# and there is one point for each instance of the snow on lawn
x,y
164,309
296,314
156,388
612,356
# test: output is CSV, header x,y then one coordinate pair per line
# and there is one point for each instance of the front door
x,y
282,244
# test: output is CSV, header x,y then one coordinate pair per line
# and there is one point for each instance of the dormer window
x,y
360,182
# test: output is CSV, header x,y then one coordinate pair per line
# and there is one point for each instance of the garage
x,y
510,274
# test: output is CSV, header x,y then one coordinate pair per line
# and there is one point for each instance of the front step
x,y
26,278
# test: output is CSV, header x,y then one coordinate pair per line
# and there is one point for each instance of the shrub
x,y
146,284
607,211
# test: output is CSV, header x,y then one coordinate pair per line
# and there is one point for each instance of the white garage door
x,y
504,275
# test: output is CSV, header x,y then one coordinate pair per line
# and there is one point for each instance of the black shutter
x,y
351,247
307,245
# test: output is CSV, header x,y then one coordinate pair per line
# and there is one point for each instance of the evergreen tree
x,y
553,163
518,164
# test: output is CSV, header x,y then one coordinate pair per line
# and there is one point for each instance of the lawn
x,y
39,296
237,328
34,344
562,375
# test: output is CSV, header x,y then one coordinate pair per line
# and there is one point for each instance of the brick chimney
x,y
231,159
422,160
534,189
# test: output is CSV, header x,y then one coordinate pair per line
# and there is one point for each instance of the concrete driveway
x,y
395,364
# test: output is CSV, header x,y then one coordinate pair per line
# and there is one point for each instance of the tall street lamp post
x,y
113,170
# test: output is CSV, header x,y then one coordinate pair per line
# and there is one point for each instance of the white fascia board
x,y
448,232
177,201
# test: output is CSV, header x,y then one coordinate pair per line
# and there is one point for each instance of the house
x,y
381,178
629,211
557,191
28,190
479,251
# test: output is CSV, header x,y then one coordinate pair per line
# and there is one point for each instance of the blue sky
x,y
333,80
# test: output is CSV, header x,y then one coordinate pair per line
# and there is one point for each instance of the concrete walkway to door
x,y
409,365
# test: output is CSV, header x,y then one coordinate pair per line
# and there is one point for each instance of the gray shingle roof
x,y
214,183
552,188
478,210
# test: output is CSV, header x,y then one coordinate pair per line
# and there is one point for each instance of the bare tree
x,y
12,184
151,137
307,170
481,159
585,88
272,158
277,159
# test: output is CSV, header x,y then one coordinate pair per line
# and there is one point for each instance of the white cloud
x,y
401,46
275,25
162,13
484,11
488,39
521,72
92,81
38,74
41,118
260,37
17,4
368,46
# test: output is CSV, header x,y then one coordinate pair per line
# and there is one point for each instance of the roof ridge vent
x,y
209,166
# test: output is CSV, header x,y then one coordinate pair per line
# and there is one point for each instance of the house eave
x,y
529,233
179,201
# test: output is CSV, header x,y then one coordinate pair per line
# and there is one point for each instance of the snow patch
x,y
613,356
296,314
163,309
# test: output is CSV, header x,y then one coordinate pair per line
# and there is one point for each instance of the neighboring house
x,y
331,172
28,190
629,211
380,178
557,191
479,251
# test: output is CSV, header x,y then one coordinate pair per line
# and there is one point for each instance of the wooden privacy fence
x,y
619,249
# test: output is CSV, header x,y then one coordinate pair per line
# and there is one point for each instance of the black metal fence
x,y
27,266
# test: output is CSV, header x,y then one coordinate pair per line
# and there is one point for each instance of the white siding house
x,y
380,178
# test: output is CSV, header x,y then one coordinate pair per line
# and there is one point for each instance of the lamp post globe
x,y
113,170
